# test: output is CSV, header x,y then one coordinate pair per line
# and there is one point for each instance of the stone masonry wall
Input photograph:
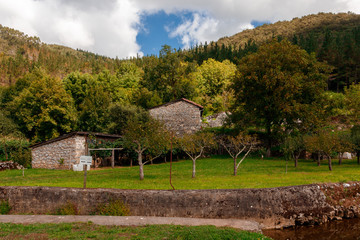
x,y
49,155
180,117
271,207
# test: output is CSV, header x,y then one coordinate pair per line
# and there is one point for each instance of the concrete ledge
x,y
132,221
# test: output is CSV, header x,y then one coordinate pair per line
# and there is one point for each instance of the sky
x,y
126,28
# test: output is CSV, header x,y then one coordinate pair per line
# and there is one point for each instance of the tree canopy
x,y
43,110
278,88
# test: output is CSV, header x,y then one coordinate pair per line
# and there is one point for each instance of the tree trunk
x,y
194,168
268,147
318,160
340,158
329,161
141,166
358,157
6,155
131,163
296,161
235,168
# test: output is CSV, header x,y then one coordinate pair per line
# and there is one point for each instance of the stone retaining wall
x,y
272,207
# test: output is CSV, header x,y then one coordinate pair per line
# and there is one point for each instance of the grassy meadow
x,y
212,173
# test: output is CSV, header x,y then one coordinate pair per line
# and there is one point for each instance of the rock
x,y
348,214
347,155
9,165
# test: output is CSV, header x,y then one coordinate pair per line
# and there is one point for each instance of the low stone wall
x,y
272,207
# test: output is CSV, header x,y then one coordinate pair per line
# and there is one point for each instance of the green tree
x,y
343,144
352,98
236,145
94,108
194,146
213,79
76,84
323,142
142,136
293,146
8,132
120,115
43,110
355,139
169,75
278,89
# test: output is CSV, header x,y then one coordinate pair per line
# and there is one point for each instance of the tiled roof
x,y
178,100
105,135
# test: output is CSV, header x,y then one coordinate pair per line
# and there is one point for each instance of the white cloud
x,y
106,27
110,27
213,19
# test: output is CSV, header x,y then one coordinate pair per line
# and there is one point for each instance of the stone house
x,y
217,119
181,116
64,151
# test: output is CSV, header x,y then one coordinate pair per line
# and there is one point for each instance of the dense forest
x,y
50,90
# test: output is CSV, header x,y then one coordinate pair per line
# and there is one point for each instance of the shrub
x,y
4,207
67,209
22,156
113,208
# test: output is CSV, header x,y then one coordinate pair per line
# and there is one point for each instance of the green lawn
x,y
212,173
89,230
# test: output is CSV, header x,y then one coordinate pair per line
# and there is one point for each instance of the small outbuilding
x,y
181,116
64,151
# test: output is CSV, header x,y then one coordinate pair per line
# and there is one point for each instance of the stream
x,y
345,229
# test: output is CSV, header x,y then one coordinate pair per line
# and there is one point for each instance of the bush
x,y
112,208
67,209
22,156
4,207
17,151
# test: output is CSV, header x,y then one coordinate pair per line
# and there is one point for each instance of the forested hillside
x,y
334,38
19,54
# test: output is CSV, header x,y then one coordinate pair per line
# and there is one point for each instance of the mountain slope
x,y
20,53
297,26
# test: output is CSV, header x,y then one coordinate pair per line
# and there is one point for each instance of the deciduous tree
x,y
236,145
278,88
213,79
194,146
293,146
355,139
44,110
144,136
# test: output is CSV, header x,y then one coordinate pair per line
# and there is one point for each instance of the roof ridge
x,y
178,100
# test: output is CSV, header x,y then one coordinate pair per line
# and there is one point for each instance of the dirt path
x,y
131,221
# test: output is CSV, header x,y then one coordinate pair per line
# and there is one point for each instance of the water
x,y
336,230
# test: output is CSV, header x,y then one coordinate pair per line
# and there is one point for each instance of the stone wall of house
x,y
180,117
216,120
49,155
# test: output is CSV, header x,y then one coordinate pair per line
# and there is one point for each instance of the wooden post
x,y
113,158
171,151
85,173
